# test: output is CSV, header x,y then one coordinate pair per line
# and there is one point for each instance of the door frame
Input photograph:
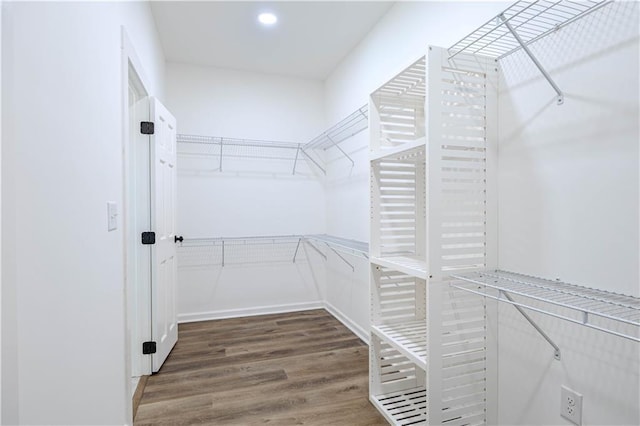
x,y
137,307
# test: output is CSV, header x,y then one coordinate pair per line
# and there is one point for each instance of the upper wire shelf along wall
x,y
522,24
262,249
221,148
348,127
531,19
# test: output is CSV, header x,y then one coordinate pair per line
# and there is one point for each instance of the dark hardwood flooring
x,y
300,368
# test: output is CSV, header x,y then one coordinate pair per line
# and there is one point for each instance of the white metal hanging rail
x,y
350,126
521,24
586,303
222,147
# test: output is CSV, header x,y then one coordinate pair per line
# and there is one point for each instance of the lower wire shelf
x,y
403,408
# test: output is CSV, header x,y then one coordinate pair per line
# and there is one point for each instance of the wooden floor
x,y
301,368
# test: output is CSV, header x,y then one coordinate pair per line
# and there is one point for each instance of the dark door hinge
x,y
148,238
148,348
147,127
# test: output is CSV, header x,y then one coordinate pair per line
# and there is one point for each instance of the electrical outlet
x,y
571,405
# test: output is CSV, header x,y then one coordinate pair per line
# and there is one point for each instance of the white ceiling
x,y
309,39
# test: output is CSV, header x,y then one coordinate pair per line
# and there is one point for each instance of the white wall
x,y
397,40
63,338
568,209
249,197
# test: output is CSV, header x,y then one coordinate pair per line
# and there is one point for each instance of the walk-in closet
x,y
320,213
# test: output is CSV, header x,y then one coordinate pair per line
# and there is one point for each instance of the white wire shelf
x,y
410,265
342,244
346,128
221,148
403,408
597,309
522,24
225,251
532,20
409,338
350,126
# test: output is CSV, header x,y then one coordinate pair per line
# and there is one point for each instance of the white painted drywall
x,y
63,337
568,209
397,40
249,197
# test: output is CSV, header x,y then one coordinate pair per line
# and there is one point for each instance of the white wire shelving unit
x,y
221,148
522,24
338,245
598,309
346,128
225,251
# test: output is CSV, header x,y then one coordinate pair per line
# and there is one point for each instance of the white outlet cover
x,y
112,216
571,405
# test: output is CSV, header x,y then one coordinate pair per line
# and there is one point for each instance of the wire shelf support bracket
x,y
522,24
556,349
560,98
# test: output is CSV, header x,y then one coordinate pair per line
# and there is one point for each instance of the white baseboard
x,y
357,330
248,312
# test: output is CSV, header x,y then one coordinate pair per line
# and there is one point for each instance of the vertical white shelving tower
x,y
432,145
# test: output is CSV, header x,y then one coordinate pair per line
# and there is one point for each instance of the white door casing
x,y
164,318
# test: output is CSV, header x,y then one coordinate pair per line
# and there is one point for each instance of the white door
x,y
164,318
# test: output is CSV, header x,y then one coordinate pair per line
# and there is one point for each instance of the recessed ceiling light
x,y
267,18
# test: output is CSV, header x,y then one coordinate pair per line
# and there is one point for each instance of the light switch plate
x,y
112,216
